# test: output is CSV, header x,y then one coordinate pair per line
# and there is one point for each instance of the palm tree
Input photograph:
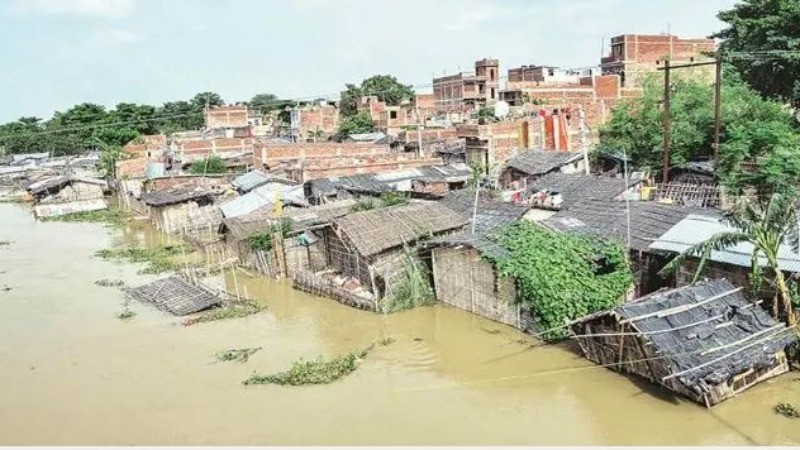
x,y
766,228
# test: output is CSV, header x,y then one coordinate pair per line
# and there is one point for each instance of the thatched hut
x,y
173,210
462,276
704,341
531,164
368,246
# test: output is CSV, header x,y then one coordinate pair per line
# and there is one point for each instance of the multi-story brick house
x,y
468,90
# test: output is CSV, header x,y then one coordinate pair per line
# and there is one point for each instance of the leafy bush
x,y
263,241
365,204
114,217
413,287
561,277
394,198
240,355
212,164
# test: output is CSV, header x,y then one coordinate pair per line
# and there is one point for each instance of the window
x,y
491,74
393,114
493,92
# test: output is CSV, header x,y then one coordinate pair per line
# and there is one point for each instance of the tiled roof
x,y
173,196
539,162
399,180
579,187
608,218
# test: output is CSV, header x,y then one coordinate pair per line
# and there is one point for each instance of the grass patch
x,y
114,217
109,283
240,355
319,371
158,260
236,310
787,410
412,289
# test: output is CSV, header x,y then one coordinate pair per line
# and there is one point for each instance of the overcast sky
x,y
56,53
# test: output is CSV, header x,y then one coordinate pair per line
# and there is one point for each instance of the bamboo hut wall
x,y
464,280
346,260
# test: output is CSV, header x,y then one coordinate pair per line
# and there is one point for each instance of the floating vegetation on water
x,y
386,341
242,308
114,217
158,259
787,410
237,354
4,243
6,288
319,371
109,283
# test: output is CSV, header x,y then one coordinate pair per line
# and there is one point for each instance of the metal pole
x,y
584,143
717,106
419,132
667,124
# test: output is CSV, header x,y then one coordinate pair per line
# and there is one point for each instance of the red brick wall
x,y
337,167
226,116
272,154
325,118
132,168
188,181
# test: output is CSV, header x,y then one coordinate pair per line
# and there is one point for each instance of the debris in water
x,y
109,283
495,331
418,339
386,341
235,310
787,410
4,243
6,288
318,371
126,314
237,354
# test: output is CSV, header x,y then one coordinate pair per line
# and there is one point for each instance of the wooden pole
x,y
717,106
667,124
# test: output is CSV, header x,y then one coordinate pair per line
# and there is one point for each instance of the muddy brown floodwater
x,y
72,373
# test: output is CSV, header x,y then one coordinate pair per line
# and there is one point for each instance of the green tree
x,y
265,103
359,123
757,133
140,118
178,116
212,164
763,42
766,228
385,87
204,99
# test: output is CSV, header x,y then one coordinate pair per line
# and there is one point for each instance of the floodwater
x,y
72,373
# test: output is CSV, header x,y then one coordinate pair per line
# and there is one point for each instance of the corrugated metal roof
x,y
262,196
695,229
250,181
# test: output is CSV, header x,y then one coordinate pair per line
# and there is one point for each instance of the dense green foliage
x,y
90,126
355,124
385,87
412,288
763,41
394,198
212,164
319,371
757,131
561,277
386,199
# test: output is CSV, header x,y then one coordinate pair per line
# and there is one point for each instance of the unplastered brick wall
x,y
201,148
226,116
131,168
271,154
189,181
339,167
323,118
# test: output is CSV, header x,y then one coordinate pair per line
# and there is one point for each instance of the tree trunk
x,y
786,298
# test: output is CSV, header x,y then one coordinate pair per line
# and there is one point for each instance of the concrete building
x,y
634,54
468,90
527,76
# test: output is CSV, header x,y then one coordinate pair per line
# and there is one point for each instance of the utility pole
x,y
420,153
717,106
584,143
667,123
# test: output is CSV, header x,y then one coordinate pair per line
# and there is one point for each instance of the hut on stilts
x,y
704,341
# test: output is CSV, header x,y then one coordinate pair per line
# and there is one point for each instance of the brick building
x,y
338,166
634,54
468,90
533,76
315,122
188,150
146,146
229,116
271,155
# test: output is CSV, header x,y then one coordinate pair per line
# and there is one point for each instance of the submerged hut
x,y
367,247
60,195
177,295
172,210
704,341
462,276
